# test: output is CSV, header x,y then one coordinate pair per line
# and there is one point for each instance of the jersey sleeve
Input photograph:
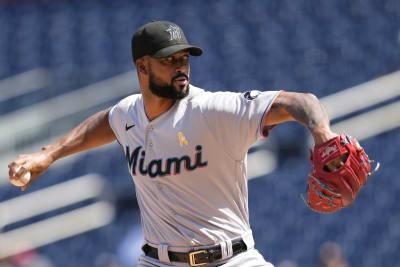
x,y
236,119
115,116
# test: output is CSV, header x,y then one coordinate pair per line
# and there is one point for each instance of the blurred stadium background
x,y
61,61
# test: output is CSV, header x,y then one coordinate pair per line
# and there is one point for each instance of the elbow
x,y
297,99
308,101
311,98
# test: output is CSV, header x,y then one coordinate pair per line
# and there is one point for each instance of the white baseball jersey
x,y
189,164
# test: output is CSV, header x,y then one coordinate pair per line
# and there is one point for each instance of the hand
x,y
336,163
320,137
35,163
334,183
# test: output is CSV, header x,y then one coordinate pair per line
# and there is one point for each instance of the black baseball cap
x,y
160,39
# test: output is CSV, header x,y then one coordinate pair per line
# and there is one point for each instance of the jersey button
x,y
150,144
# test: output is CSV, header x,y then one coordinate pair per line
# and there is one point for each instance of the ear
x,y
140,66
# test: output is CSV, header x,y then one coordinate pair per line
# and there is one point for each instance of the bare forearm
x,y
308,110
93,132
305,109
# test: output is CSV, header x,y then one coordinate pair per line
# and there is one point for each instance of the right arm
x,y
93,132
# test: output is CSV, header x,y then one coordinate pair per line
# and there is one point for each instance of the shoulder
x,y
201,97
127,103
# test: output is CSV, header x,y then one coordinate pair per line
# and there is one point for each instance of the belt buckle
x,y
192,258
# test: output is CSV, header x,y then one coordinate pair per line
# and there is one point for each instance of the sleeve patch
x,y
251,95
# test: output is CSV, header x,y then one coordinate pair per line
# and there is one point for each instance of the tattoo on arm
x,y
306,109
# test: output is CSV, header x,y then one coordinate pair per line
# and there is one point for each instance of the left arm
x,y
305,109
326,192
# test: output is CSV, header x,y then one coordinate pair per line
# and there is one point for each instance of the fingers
x,y
336,163
17,169
19,172
25,186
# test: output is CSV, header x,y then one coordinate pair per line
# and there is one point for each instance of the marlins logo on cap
x,y
174,32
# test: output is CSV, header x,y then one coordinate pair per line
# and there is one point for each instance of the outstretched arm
x,y
307,110
93,132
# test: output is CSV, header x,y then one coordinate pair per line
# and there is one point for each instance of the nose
x,y
181,65
181,68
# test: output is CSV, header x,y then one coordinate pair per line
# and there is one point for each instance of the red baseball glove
x,y
330,191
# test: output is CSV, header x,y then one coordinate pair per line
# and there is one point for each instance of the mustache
x,y
180,75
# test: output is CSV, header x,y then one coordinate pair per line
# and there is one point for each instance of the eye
x,y
185,58
168,60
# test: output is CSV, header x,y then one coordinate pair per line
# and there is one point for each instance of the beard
x,y
168,91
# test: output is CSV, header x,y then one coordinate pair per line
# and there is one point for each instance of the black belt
x,y
197,257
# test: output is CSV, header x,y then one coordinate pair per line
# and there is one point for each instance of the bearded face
x,y
177,89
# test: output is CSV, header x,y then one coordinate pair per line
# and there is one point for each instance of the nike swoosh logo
x,y
128,127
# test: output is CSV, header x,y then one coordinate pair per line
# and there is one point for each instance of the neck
x,y
155,105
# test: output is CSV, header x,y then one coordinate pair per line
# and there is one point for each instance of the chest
x,y
178,143
174,135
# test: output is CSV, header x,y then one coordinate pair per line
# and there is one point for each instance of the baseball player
x,y
186,150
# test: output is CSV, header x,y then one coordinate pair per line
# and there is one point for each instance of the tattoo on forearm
x,y
308,111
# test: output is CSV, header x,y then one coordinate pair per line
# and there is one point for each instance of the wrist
x,y
322,135
50,153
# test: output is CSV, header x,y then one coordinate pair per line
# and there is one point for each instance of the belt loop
x,y
229,248
248,240
224,252
162,250
226,249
